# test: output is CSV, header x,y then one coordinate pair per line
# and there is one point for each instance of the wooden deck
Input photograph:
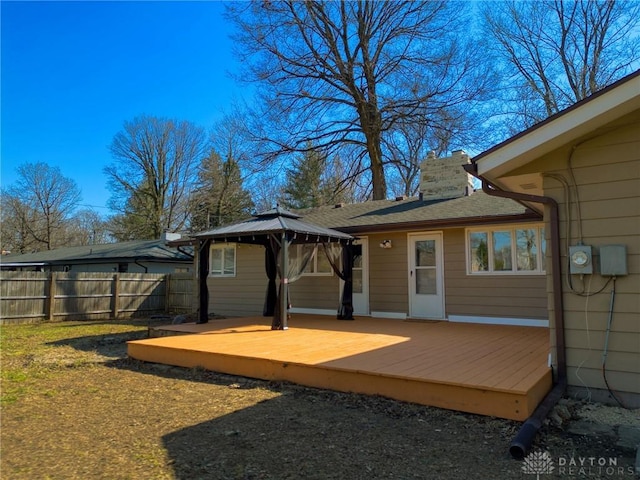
x,y
492,370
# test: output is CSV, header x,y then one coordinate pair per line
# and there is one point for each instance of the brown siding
x,y
242,295
316,291
490,296
606,168
493,296
517,296
388,274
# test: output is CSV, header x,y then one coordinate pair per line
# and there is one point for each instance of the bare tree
x,y
409,143
15,229
38,206
344,73
153,172
559,52
87,227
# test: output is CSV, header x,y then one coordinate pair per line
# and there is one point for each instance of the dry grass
x,y
74,407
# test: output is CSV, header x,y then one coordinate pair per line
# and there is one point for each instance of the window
x,y
319,264
503,250
223,261
356,274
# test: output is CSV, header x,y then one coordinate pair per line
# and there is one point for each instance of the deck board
x,y
487,369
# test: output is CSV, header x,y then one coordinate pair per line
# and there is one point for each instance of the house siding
x,y
606,168
515,296
388,274
151,267
316,292
244,294
511,296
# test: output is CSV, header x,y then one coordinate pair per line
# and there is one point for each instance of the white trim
x,y
440,270
523,322
223,247
314,311
364,243
540,239
396,315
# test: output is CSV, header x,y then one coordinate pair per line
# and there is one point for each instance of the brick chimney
x,y
444,178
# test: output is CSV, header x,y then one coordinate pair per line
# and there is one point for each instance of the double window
x,y
222,260
319,264
506,250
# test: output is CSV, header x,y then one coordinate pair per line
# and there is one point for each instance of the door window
x,y
357,269
426,272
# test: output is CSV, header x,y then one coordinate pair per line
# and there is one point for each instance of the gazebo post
x,y
284,282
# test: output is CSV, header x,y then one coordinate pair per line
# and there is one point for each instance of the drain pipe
x,y
137,262
521,444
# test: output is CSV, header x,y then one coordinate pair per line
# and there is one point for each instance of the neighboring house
x,y
138,256
587,159
450,254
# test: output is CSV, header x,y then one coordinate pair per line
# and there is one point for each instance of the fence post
x,y
51,297
116,295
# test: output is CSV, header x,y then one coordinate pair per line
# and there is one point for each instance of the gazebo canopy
x,y
258,230
276,230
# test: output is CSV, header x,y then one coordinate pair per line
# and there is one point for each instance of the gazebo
x,y
278,230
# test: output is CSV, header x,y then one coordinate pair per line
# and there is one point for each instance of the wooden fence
x,y
36,296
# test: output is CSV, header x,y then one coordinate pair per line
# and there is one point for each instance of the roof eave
x,y
609,104
529,216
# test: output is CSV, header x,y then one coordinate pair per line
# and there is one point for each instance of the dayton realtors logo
x,y
538,463
541,463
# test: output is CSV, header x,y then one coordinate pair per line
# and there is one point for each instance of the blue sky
x,y
74,72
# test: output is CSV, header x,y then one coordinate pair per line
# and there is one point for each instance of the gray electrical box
x,y
580,260
613,260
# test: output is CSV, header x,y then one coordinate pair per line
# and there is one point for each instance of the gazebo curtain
x,y
203,273
298,258
341,260
271,266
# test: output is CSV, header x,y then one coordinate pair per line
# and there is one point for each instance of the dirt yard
x,y
74,407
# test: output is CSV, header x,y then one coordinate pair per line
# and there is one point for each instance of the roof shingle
x,y
368,216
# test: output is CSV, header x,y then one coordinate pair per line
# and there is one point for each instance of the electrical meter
x,y
580,260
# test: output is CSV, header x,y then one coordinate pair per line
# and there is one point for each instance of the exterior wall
x,y
388,274
606,168
510,296
244,294
316,292
152,267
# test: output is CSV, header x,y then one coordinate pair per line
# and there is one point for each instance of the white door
x,y
361,277
426,285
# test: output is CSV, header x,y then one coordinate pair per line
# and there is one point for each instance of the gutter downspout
x,y
521,444
137,262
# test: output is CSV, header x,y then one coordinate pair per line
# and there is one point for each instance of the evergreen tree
x,y
313,181
219,197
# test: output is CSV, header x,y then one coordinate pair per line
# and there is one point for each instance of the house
x,y
137,256
581,168
442,260
450,254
